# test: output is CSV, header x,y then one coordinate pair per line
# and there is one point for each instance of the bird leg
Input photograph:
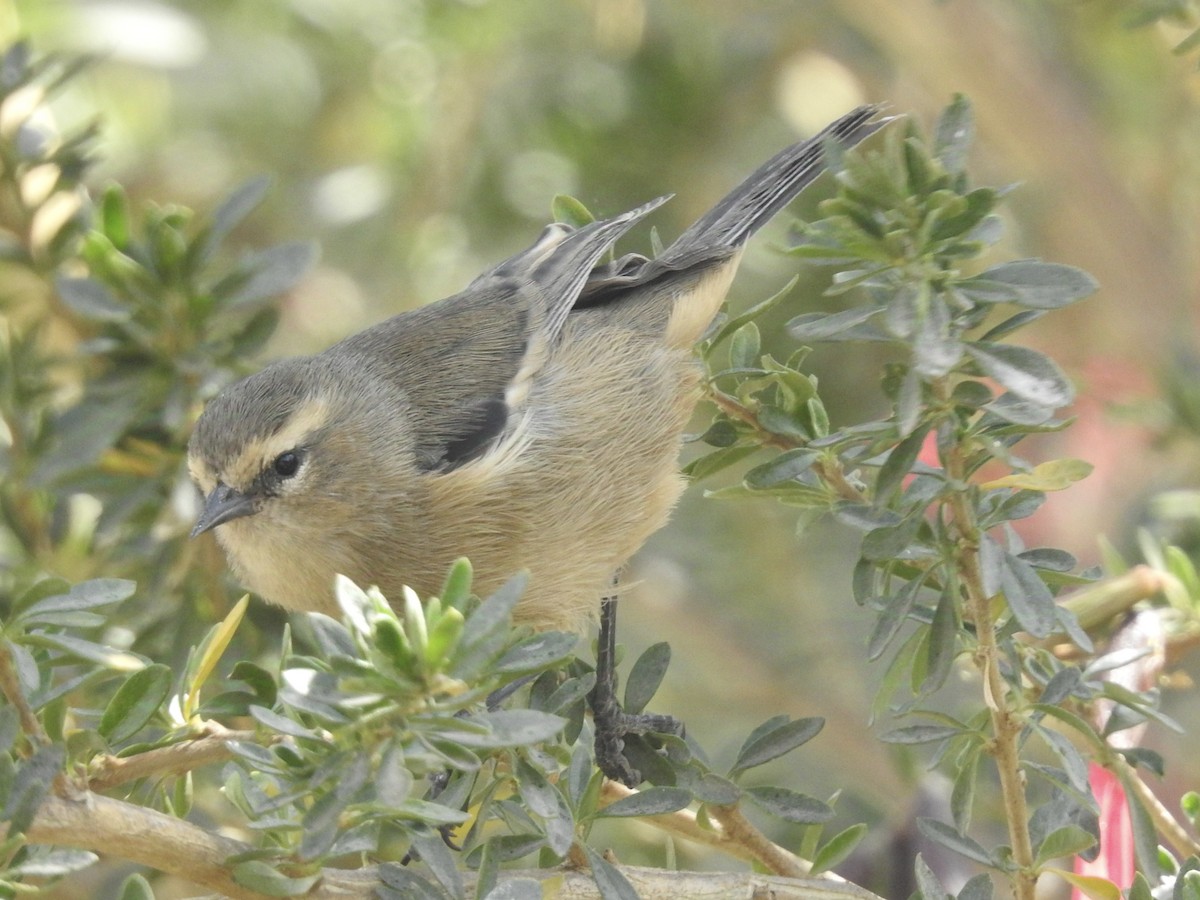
x,y
612,723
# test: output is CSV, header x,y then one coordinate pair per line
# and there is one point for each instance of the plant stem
x,y
1006,722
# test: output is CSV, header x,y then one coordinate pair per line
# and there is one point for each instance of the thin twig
x,y
1006,723
829,469
743,841
210,746
1165,823
10,686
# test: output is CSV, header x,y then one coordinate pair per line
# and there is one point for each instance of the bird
x,y
532,421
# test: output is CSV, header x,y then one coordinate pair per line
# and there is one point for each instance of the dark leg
x,y
612,723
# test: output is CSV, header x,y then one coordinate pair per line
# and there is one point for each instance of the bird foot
x,y
614,728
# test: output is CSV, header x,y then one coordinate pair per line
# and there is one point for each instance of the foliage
x,y
936,486
370,741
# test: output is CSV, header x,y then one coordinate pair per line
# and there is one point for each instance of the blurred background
x,y
419,140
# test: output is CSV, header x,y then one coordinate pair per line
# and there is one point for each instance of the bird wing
x,y
464,364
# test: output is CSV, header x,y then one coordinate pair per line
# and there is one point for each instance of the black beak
x,y
223,504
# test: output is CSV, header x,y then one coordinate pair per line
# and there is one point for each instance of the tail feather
x,y
771,187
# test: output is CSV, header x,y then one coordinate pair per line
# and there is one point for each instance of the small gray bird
x,y
532,421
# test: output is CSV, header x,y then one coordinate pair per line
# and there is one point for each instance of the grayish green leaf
x,y
928,885
823,326
799,809
653,801
1043,285
91,300
612,884
1028,597
764,746
953,134
135,703
646,675
1030,375
782,468
948,837
837,848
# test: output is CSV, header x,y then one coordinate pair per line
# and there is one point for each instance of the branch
x,y
1007,725
10,687
829,468
171,845
144,836
209,746
1165,823
736,837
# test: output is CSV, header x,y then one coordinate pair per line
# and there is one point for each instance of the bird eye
x,y
286,464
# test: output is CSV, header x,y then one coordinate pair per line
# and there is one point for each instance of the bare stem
x,y
1165,823
829,469
10,686
211,746
1006,722
735,836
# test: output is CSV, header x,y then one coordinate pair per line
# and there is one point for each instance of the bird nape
x,y
532,421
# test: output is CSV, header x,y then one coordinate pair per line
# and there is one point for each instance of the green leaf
x,y
570,211
282,724
486,629
1145,836
714,462
978,887
273,271
824,326
404,884
432,850
953,134
767,743
89,651
896,608
799,809
1091,886
135,887
135,703
752,313
712,788
517,889
898,464
612,884
943,643
1065,841
85,595
30,786
745,347
646,675
837,848
920,734
456,589
949,837
1030,375
782,468
1140,889
537,652
242,201
1042,285
1030,600
511,728
90,300
962,796
928,885
53,863
1073,762
653,801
